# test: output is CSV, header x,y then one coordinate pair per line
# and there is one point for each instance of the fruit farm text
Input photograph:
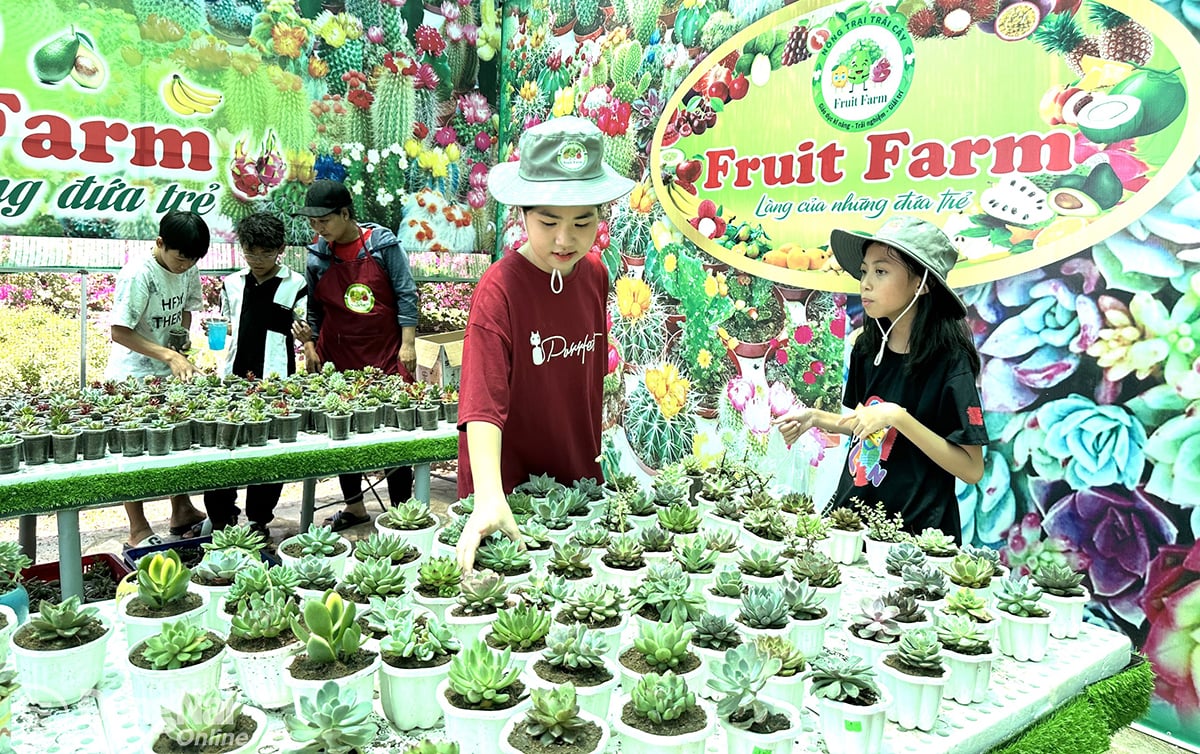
x,y
1028,153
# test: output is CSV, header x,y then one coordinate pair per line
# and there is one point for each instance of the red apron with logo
x,y
359,328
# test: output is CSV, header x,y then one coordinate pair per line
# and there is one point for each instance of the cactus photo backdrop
x,y
1091,380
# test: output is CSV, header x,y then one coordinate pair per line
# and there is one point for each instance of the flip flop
x,y
343,520
190,531
149,541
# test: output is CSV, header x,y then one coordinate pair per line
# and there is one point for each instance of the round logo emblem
x,y
572,157
359,298
863,72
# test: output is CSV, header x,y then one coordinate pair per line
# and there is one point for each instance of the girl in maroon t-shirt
x,y
535,352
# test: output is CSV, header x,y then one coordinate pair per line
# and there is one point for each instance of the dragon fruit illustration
x,y
256,176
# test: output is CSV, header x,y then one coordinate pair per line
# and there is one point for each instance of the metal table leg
x,y
421,482
27,534
308,503
70,561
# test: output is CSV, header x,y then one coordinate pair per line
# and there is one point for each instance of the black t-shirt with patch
x,y
260,315
888,467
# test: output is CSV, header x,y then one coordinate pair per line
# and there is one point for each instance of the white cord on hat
x,y
555,275
886,333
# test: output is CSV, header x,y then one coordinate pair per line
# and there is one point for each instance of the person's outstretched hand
x,y
795,423
490,515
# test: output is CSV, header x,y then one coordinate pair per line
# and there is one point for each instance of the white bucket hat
x,y
561,165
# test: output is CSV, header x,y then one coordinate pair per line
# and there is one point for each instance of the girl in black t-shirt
x,y
916,422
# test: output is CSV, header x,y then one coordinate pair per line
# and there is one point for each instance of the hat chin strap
x,y
887,332
556,281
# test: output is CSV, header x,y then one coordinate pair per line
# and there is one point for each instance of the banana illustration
x,y
186,98
686,202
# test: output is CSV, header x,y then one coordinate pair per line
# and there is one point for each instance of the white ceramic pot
x,y
515,720
60,677
469,628
309,594
422,539
362,681
215,619
635,741
792,689
408,695
1022,638
594,699
262,676
1067,617
853,729
987,630
10,628
726,607
700,582
831,599
750,634
738,741
713,521
808,635
155,689
249,746
932,608
613,636
750,540
845,546
475,730
438,606
969,675
519,659
771,581
876,555
139,629
620,578
338,561
916,699
698,681
869,650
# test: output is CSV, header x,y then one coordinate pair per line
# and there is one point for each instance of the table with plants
x,y
139,440
702,615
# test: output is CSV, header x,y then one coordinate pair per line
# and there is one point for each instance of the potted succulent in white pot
x,y
480,694
937,545
851,705
823,574
214,575
657,648
575,654
59,652
554,719
333,650
660,714
656,542
623,563
163,595
809,616
666,595
12,591
8,627
968,604
883,530
969,656
761,566
207,723
725,594
752,724
846,532
916,676
416,659
598,608
505,557
593,538
480,598
697,560
900,555
262,645
874,631
390,547
789,683
521,630
437,586
909,613
374,577
256,580
713,635
333,721
320,541
928,585
1023,632
314,576
570,561
181,657
764,611
724,543
412,521
1064,593
972,572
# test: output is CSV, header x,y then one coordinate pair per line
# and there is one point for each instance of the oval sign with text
x,y
1027,129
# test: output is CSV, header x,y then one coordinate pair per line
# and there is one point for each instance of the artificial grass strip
x,y
48,496
1085,724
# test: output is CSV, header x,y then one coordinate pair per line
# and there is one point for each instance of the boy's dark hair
x,y
185,232
262,230
936,330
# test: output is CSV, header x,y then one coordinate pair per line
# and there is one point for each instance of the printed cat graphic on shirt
x,y
535,340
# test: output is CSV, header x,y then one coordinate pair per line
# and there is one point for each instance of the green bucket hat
x,y
561,165
919,239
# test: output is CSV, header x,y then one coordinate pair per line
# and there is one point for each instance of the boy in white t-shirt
x,y
155,294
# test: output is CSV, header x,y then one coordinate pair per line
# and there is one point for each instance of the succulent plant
x,y
729,508
993,556
638,503
664,646
8,684
661,698
739,679
483,678
1019,596
385,612
553,717
162,579
796,502
570,561
574,646
882,526
439,577
334,721
693,554
846,519
721,540
817,568
667,591
319,540
919,652
936,543
521,628
1058,579
876,622
592,536
539,485
66,624
263,616
521,504
433,747
590,488
969,571
656,539
484,593
967,603
760,561
12,561
903,554
176,645
375,577
908,610
717,487
802,600
624,551
960,634
925,582
391,547
843,678
328,630
314,572
713,631
577,502
679,518
236,537
763,607
592,605
671,486
765,523
201,717
728,583
553,512
544,590
811,528
790,658
421,640
408,515
219,567
504,556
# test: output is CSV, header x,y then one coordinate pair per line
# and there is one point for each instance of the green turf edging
x,y
1085,724
48,496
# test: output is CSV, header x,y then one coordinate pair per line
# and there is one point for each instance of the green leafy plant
x,y
592,605
162,579
592,536
374,577
544,590
408,515
693,554
882,526
764,606
817,568
969,571
570,561
439,577
575,647
760,561
318,540
728,583
656,539
843,679
424,641
391,547
920,653
664,646
1058,579
936,543
334,721
503,555
908,610
739,679
876,622
328,630
661,698
66,624
554,716
967,603
713,631
925,582
903,554
482,594
790,658
201,717
521,628
624,551
265,616
667,592
8,684
1021,597
803,602
721,540
679,518
176,645
845,519
314,572
959,633
220,567
483,678
236,537
433,747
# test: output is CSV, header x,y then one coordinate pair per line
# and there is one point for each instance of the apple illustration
x,y
689,171
738,87
719,90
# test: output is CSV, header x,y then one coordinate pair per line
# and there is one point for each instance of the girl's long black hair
x,y
937,327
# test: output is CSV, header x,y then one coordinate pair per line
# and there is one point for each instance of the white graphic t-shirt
x,y
150,301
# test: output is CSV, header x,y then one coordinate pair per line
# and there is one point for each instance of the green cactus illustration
x,y
620,152
342,60
248,93
394,111
189,14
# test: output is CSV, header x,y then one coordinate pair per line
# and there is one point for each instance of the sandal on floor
x,y
190,531
343,520
149,541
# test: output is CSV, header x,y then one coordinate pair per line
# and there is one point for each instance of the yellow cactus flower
x,y
655,383
704,358
453,152
669,262
564,101
288,41
528,91
412,148
710,286
633,298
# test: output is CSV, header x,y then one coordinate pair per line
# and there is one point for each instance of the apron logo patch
x,y
359,298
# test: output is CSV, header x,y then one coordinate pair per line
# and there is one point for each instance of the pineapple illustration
x,y
1123,39
1060,34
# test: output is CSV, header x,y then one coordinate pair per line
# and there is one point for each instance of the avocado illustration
x,y
89,70
1103,185
1073,202
55,60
